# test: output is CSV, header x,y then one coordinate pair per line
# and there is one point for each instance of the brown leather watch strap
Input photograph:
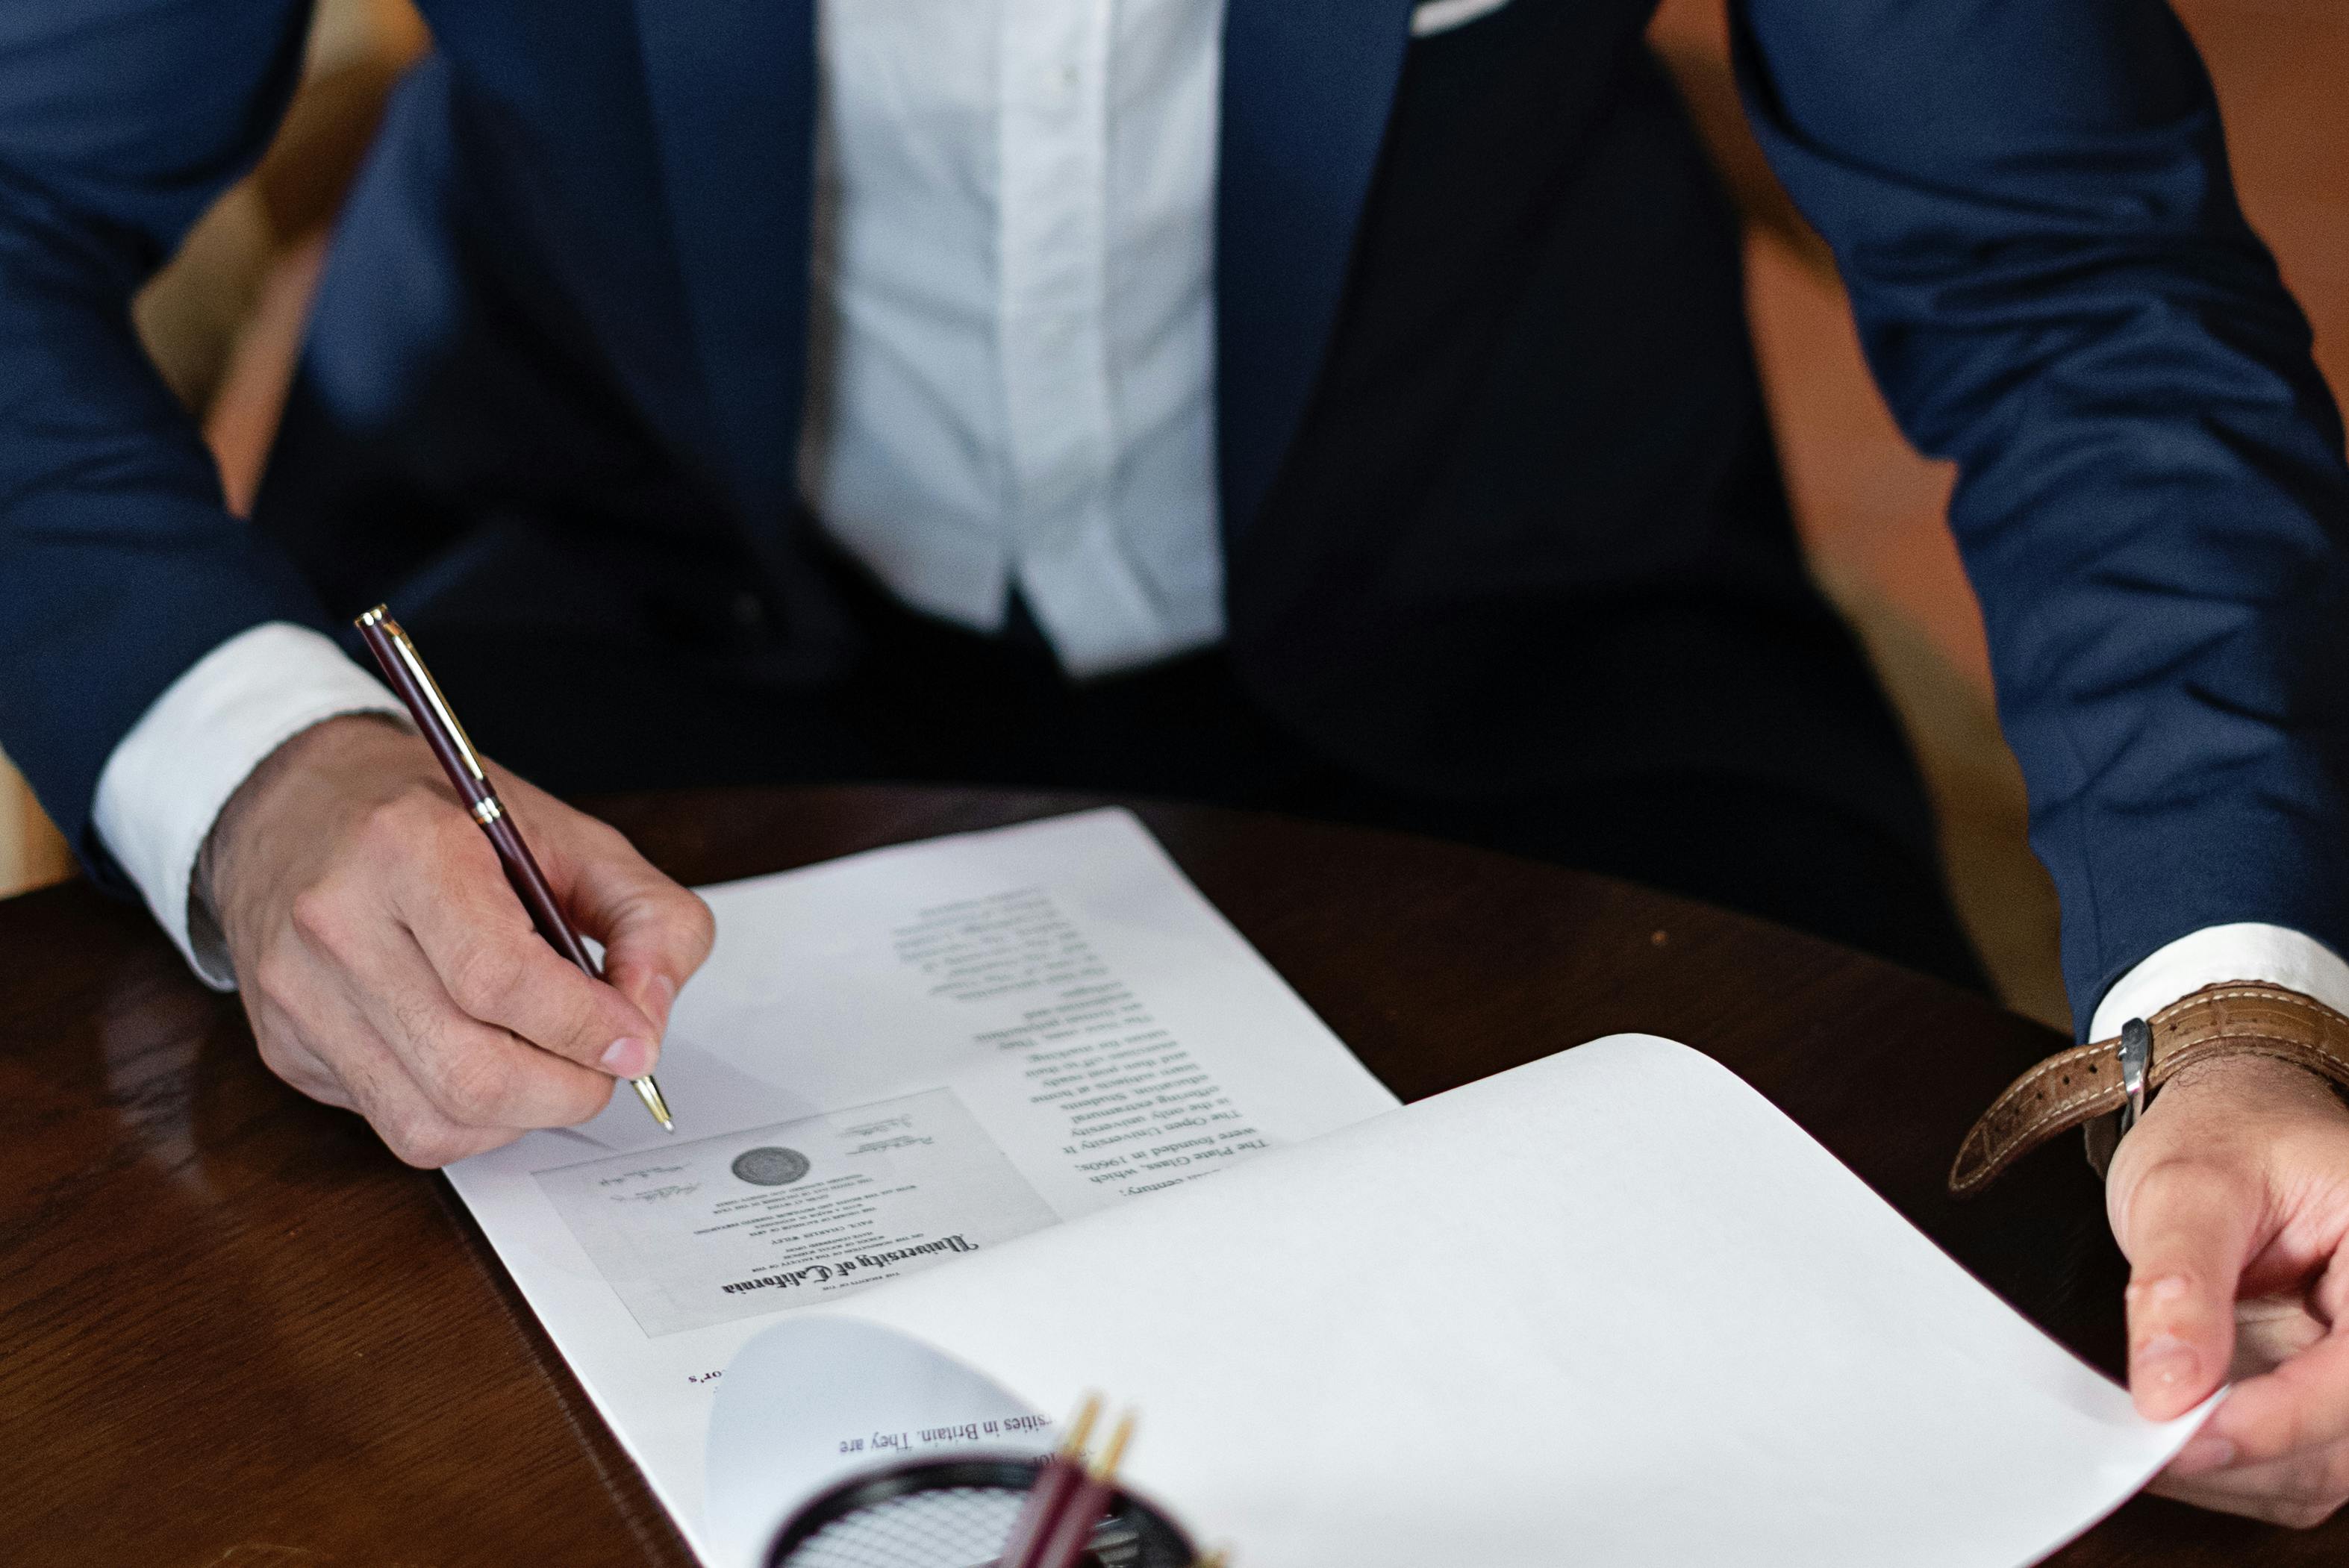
x,y
2241,1018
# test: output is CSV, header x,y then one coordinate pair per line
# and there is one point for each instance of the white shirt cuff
x,y
164,785
2216,954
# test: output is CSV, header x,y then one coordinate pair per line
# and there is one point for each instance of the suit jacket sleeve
x,y
120,120
2029,202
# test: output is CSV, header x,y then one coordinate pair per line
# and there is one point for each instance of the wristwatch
x,y
2103,1086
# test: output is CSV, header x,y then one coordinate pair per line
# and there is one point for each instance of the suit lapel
x,y
733,85
1307,88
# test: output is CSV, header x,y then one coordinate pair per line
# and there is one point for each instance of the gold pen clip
x,y
381,617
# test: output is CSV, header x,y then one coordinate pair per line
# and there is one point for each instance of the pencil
x,y
1072,1496
1088,1504
1054,1482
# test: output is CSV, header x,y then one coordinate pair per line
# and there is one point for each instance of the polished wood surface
x,y
234,1331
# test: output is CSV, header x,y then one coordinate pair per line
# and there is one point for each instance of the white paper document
x,y
944,1110
891,1062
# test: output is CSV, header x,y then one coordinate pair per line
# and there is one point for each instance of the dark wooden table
x,y
235,1332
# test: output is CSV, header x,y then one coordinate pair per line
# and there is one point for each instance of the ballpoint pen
x,y
414,683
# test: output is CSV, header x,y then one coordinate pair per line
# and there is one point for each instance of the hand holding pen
x,y
451,747
389,966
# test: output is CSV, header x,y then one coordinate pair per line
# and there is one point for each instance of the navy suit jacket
x,y
2028,198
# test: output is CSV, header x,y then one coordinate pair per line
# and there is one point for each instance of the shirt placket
x,y
1052,229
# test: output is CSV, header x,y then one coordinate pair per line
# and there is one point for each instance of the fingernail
x,y
2204,1453
2165,1361
2168,1287
627,1058
659,996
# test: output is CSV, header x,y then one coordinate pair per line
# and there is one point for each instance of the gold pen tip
x,y
650,1092
372,618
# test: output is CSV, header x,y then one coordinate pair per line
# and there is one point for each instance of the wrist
x,y
2225,1084
2233,1056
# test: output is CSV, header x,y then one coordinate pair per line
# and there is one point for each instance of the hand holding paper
x,y
2226,1190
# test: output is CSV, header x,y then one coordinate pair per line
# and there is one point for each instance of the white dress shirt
x,y
1013,330
1010,384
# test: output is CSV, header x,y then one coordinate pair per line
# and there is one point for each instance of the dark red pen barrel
x,y
419,707
529,881
537,896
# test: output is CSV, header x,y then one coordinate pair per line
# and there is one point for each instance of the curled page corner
x,y
815,1399
2172,1436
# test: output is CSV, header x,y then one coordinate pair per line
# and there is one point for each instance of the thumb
x,y
2186,1230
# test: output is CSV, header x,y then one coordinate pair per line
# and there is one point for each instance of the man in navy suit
x,y
1339,404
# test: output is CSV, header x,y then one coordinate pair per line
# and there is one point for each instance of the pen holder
x,y
958,1512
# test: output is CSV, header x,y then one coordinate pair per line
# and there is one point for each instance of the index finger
x,y
494,964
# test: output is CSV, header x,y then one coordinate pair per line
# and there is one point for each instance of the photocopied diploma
x,y
769,1217
891,1064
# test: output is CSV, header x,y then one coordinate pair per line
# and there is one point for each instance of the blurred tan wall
x,y
31,853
